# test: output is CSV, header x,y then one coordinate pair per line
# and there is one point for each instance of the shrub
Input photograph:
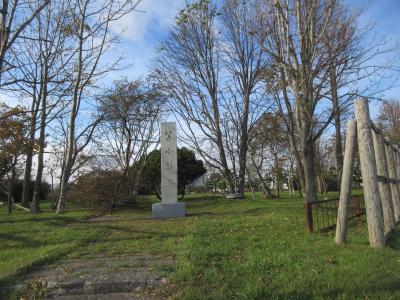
x,y
97,190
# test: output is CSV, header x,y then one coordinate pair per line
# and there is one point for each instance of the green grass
x,y
224,249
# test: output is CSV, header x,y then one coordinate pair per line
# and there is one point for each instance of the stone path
x,y
123,277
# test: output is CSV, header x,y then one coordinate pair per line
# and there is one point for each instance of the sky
x,y
143,29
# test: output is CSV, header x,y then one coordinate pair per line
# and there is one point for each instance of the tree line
x,y
260,89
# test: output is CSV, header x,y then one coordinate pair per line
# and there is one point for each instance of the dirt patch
x,y
122,277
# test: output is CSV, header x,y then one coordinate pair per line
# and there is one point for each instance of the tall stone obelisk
x,y
169,206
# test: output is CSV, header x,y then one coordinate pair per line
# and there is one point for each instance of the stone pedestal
x,y
169,210
169,206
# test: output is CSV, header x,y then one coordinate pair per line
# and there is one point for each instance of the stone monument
x,y
169,206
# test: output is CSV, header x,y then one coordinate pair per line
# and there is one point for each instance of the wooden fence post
x,y
384,186
396,155
368,170
394,187
346,184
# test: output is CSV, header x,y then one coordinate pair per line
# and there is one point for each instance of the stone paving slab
x,y
111,296
119,277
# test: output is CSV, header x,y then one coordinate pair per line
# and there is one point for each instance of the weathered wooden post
x,y
394,187
396,156
346,184
369,174
383,174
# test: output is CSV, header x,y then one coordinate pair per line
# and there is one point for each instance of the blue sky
x,y
143,30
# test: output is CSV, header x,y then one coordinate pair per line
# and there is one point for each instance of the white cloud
x,y
160,13
12,100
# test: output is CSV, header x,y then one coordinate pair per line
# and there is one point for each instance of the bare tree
x,y
297,30
245,61
211,66
90,31
188,68
42,61
389,116
54,74
15,16
131,113
355,57
324,162
268,150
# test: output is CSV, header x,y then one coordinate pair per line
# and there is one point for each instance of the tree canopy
x,y
189,168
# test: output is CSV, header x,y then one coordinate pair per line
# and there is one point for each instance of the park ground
x,y
224,249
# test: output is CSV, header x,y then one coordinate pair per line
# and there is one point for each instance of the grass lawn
x,y
224,249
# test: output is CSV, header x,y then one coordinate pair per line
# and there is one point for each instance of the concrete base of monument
x,y
168,210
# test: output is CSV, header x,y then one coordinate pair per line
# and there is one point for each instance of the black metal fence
x,y
322,215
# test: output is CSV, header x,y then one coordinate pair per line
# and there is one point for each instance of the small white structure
x,y
199,181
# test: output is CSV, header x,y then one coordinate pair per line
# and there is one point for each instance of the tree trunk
x,y
29,156
264,185
310,191
25,199
226,172
276,179
4,35
43,115
290,186
338,135
39,174
251,184
244,141
62,196
10,198
320,184
69,158
299,165
300,186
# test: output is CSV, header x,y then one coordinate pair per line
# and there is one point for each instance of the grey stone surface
x,y
111,296
123,277
169,163
169,210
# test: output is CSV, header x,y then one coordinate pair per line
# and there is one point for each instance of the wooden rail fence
x,y
380,170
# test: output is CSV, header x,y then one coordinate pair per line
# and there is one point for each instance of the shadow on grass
x,y
22,240
54,221
385,286
249,212
394,239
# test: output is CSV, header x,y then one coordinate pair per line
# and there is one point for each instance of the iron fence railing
x,y
322,215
